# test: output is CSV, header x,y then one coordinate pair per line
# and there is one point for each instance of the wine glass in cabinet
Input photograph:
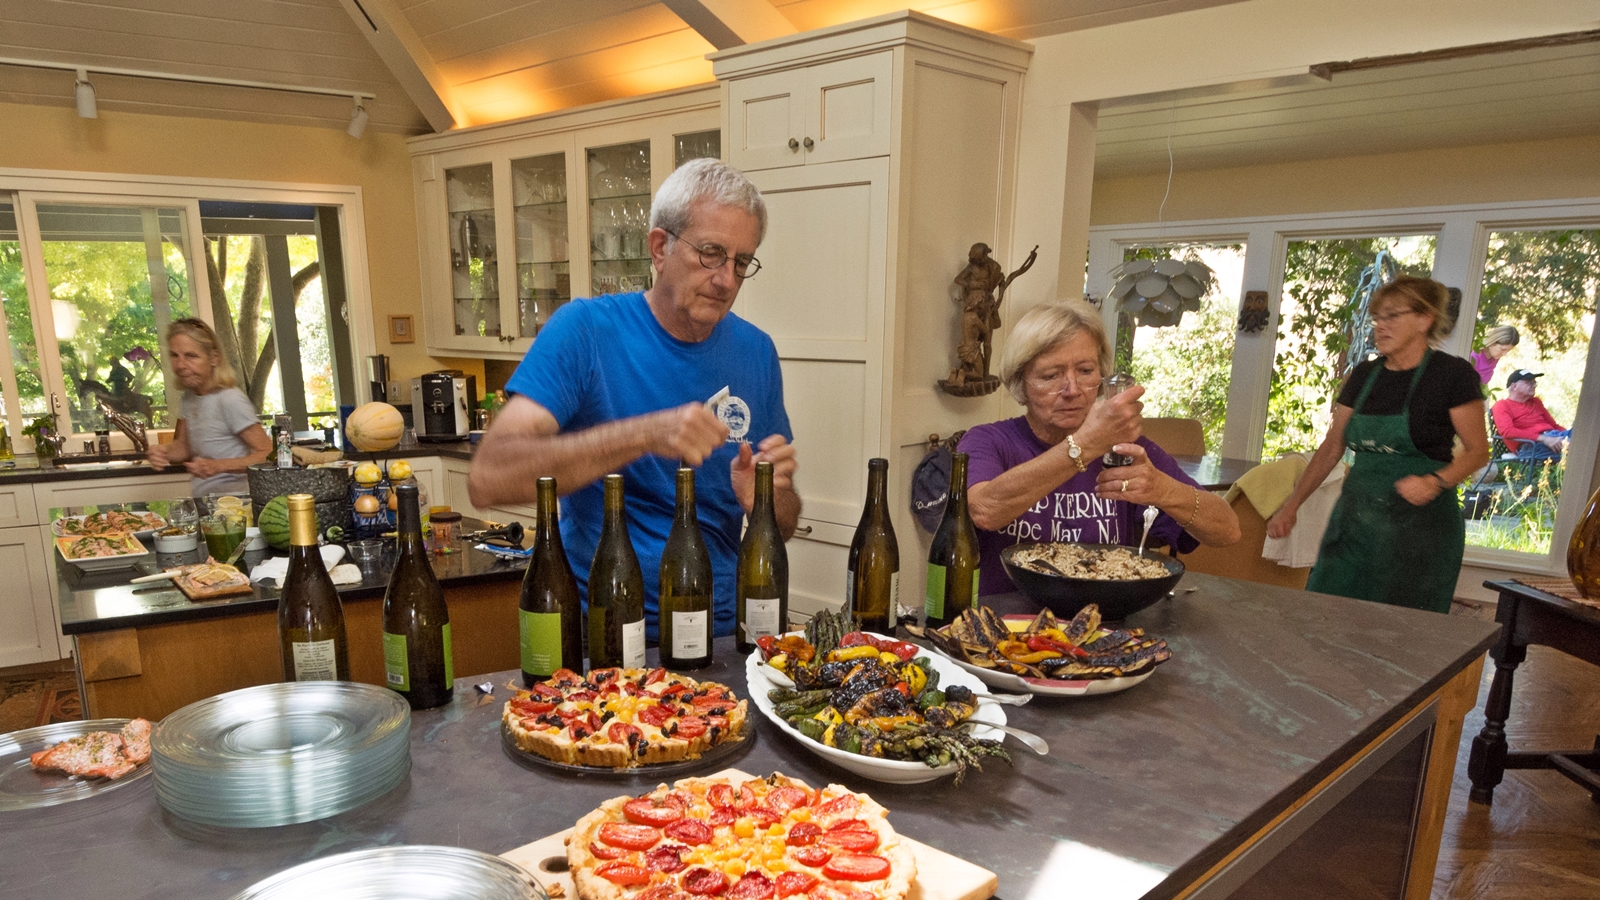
x,y
544,268
474,270
619,212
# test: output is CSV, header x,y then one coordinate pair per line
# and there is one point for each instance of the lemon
x,y
368,473
229,502
399,470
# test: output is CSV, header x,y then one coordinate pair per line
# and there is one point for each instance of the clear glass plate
x,y
22,787
383,873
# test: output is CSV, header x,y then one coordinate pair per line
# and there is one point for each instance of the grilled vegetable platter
x,y
1044,655
873,706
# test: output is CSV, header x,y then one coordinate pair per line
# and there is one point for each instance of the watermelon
x,y
274,522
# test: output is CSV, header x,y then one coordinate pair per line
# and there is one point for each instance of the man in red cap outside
x,y
1524,423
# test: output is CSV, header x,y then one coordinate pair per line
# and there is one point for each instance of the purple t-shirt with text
x,y
1070,513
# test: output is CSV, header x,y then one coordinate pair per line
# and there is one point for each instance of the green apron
x,y
1378,546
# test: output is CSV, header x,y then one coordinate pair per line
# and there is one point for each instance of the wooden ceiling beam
x,y
732,23
386,28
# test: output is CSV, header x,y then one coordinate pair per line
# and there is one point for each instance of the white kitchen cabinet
x,y
16,506
27,612
517,218
455,490
913,122
429,473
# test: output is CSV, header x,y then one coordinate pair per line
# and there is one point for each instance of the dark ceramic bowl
x,y
1064,596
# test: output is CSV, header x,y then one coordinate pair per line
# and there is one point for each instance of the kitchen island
x,y
1262,760
146,649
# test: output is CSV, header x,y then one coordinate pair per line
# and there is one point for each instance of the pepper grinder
x,y
1115,385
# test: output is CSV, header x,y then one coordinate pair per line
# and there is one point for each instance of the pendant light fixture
x,y
1156,292
84,92
358,120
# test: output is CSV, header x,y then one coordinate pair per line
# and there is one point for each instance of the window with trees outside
x,y
88,287
1532,266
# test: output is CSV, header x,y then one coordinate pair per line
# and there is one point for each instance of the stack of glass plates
x,y
281,753
384,873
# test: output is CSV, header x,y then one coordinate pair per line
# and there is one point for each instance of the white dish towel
x,y
277,567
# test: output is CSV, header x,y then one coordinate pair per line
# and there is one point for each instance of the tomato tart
x,y
622,718
770,837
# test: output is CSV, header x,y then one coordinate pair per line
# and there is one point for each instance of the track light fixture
x,y
358,120
84,92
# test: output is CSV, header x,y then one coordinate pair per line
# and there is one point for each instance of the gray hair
x,y
1502,334
706,179
1040,330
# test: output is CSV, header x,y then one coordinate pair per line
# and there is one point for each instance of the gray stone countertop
x,y
1269,690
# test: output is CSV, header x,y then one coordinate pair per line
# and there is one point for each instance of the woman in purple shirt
x,y
1039,477
1497,342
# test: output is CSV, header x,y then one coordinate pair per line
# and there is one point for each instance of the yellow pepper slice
x,y
864,651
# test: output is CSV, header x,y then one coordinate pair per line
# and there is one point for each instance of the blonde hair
x,y
222,375
1043,328
1501,334
1419,295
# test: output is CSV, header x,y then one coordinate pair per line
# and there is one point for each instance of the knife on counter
x,y
174,573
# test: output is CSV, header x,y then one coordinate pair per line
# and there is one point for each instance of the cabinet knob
x,y
794,144
810,143
803,530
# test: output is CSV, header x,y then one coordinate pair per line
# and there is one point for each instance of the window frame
x,y
29,187
1462,242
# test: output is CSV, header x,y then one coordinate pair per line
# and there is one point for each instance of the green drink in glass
x,y
223,534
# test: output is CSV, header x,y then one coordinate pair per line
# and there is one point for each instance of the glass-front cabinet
x,y
565,198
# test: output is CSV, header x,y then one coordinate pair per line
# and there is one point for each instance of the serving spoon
x,y
1150,513
1005,699
1032,741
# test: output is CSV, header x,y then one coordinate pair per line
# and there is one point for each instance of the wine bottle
x,y
616,590
872,584
763,578
953,561
310,617
550,613
416,623
685,611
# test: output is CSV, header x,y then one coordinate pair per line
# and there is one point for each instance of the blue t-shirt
x,y
607,358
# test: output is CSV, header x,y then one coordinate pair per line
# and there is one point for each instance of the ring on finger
x,y
1124,485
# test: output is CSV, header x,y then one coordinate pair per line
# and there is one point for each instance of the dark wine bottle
x,y
416,623
685,612
763,578
953,561
551,614
872,584
310,616
616,590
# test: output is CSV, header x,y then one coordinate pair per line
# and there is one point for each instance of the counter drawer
x,y
16,506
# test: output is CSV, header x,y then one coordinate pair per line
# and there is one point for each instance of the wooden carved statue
x,y
983,286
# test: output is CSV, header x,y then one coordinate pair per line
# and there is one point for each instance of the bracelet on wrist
x,y
1443,485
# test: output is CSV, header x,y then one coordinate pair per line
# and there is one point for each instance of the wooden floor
x,y
1541,838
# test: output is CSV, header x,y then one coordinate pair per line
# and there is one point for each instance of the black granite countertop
x,y
1269,691
105,601
31,469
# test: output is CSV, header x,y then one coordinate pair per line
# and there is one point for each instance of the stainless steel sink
x,y
96,463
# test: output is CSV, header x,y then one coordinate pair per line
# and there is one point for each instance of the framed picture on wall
x,y
401,330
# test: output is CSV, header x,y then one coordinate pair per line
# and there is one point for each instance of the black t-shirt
x,y
1448,382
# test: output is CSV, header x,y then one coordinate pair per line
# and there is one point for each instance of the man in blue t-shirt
x,y
621,383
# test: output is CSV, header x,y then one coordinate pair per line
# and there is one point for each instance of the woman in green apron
x,y
1396,534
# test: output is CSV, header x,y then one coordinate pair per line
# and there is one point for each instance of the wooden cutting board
x,y
940,876
196,591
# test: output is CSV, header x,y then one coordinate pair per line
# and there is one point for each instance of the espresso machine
x,y
442,403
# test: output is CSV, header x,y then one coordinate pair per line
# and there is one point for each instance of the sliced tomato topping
x,y
623,733
618,872
784,799
850,825
713,704
843,805
675,689
566,676
791,883
661,892
690,831
603,852
545,690
720,794
690,727
852,867
854,841
723,816
666,858
632,690
655,675
763,815
604,676
629,837
582,696
683,799
752,886
648,811
749,791
803,834
704,882
811,856
656,715
720,723
531,707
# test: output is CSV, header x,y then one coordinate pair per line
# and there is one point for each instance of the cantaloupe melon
x,y
374,427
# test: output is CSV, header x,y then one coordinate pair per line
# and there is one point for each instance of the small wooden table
x,y
1531,616
1215,473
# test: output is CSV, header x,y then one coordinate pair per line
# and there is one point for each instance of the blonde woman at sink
x,y
218,434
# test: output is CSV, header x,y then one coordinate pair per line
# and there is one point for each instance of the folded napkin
x,y
276,568
1268,485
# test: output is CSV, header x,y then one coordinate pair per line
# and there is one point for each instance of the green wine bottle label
x,y
541,642
396,665
935,607
760,617
315,661
633,645
449,658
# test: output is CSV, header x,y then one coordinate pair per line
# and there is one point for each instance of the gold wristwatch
x,y
1076,453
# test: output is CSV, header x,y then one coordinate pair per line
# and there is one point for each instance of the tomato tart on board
x,y
770,837
623,718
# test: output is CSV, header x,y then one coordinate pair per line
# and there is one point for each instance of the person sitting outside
x,y
1497,342
1527,427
